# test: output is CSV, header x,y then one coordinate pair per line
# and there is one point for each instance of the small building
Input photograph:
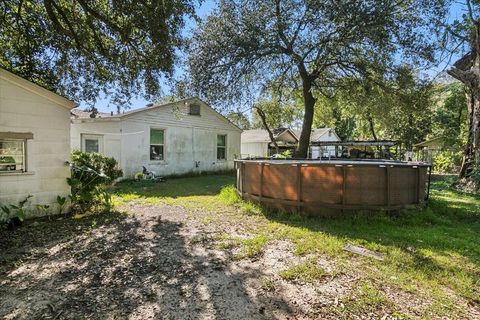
x,y
34,143
321,135
173,138
257,143
427,150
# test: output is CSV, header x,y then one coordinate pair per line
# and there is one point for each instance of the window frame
x,y
224,147
88,136
164,156
190,110
23,155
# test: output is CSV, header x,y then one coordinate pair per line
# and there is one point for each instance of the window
x,y
194,110
92,143
157,151
221,146
12,155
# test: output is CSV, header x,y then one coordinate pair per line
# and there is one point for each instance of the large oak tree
x,y
84,47
246,46
465,34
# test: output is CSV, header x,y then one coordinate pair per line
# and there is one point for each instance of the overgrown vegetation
x,y
91,174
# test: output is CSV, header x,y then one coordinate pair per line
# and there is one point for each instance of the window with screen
x,y
221,147
12,155
92,143
194,110
157,150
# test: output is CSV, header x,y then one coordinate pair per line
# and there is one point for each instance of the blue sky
x,y
204,10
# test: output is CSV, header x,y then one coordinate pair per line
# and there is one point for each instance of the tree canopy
x,y
247,46
83,48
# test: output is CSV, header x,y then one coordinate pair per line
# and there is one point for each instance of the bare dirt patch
x,y
160,262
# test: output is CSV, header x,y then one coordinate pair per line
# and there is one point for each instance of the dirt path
x,y
162,263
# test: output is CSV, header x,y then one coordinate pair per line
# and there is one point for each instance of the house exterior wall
x,y
190,142
22,110
254,149
327,151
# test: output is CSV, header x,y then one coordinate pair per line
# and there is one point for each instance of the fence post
x,y
299,188
261,181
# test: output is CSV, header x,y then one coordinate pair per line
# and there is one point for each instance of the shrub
x,y
91,173
8,212
448,161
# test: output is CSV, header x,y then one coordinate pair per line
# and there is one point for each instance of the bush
x,y
91,173
448,161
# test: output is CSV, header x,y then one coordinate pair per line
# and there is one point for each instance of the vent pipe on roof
x,y
150,105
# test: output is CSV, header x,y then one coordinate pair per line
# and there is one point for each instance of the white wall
x,y
328,151
22,110
187,139
254,149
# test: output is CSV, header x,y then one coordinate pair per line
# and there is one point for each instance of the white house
x,y
173,138
321,135
257,143
34,142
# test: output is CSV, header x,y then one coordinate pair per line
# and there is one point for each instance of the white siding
x,y
22,110
254,149
188,140
325,151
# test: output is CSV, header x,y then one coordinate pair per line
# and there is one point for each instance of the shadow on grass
x,y
440,240
114,266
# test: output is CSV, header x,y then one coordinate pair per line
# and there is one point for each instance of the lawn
x,y
431,255
190,248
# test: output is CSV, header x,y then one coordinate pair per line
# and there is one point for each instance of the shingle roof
x,y
82,114
261,135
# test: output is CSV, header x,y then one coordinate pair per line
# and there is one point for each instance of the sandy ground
x,y
161,263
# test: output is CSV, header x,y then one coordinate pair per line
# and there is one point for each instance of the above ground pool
x,y
329,187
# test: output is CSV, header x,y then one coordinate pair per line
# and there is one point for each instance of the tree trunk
x,y
467,71
468,155
263,117
372,127
309,104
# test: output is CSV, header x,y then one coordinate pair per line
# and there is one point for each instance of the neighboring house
x,y
257,143
34,143
427,150
173,138
321,135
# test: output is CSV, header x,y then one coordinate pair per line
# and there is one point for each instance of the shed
x,y
172,138
257,143
321,135
34,143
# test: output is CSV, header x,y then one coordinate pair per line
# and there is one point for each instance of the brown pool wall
x,y
332,187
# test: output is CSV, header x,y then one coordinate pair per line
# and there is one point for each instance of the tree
x,y
82,48
380,107
279,112
239,119
246,46
466,35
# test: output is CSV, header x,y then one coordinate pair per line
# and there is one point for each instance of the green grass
x,y
307,271
433,252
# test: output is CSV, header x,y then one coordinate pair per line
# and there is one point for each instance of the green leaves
x,y
84,48
91,172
